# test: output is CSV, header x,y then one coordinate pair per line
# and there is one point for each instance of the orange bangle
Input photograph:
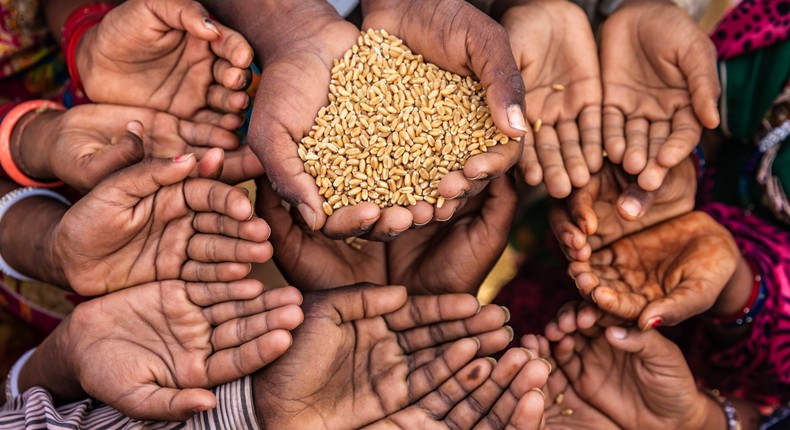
x,y
6,130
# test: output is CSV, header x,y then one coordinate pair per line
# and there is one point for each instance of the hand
x,y
364,353
473,399
661,276
613,206
455,257
561,396
660,87
174,57
153,351
148,222
86,143
458,37
640,380
554,45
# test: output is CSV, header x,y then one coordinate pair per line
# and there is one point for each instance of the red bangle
x,y
756,286
77,24
6,130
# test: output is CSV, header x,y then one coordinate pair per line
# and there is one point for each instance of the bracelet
x,y
730,413
10,200
753,305
12,387
76,25
6,131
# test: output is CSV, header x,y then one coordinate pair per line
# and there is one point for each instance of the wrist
x,y
31,145
83,59
706,415
737,291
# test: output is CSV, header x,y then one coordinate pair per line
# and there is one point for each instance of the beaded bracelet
x,y
10,200
731,414
77,24
11,121
753,305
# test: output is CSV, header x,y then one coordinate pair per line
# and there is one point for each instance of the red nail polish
x,y
653,323
182,158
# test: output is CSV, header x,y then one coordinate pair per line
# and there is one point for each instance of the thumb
x,y
168,404
126,148
689,299
145,178
635,202
699,67
187,15
361,301
651,346
210,165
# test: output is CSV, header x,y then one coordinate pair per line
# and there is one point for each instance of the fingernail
x,y
539,391
477,341
482,177
653,323
510,332
210,25
546,362
592,296
309,215
631,206
491,360
619,333
135,128
515,118
507,313
529,353
479,307
183,158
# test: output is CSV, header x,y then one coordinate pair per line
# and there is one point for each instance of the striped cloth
x,y
35,410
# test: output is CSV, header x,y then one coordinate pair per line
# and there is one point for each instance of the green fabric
x,y
781,165
752,82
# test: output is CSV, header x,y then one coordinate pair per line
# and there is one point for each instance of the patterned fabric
x,y
752,25
36,410
758,366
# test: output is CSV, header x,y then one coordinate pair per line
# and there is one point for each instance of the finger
x,y
429,377
392,223
554,174
572,156
254,230
272,299
635,202
210,272
155,403
622,304
145,178
461,384
238,331
533,376
614,134
448,210
212,248
125,150
224,100
212,293
363,301
230,77
529,165
566,232
699,66
650,346
197,134
528,414
228,121
423,310
685,135
654,174
489,318
455,185
233,363
421,213
489,343
690,298
635,158
590,126
210,164
581,205
494,162
186,15
352,221
233,48
476,406
205,195
241,165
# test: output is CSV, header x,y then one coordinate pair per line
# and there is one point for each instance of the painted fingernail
x,y
515,118
539,391
309,215
619,333
631,206
653,323
507,313
510,332
209,24
183,158
546,362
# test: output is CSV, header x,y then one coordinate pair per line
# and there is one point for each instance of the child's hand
x,y
663,275
660,87
169,56
153,351
555,50
149,222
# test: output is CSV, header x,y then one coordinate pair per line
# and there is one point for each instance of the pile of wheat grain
x,y
395,125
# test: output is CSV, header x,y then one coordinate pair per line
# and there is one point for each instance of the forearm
x,y
281,23
27,234
50,368
57,11
736,292
30,147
